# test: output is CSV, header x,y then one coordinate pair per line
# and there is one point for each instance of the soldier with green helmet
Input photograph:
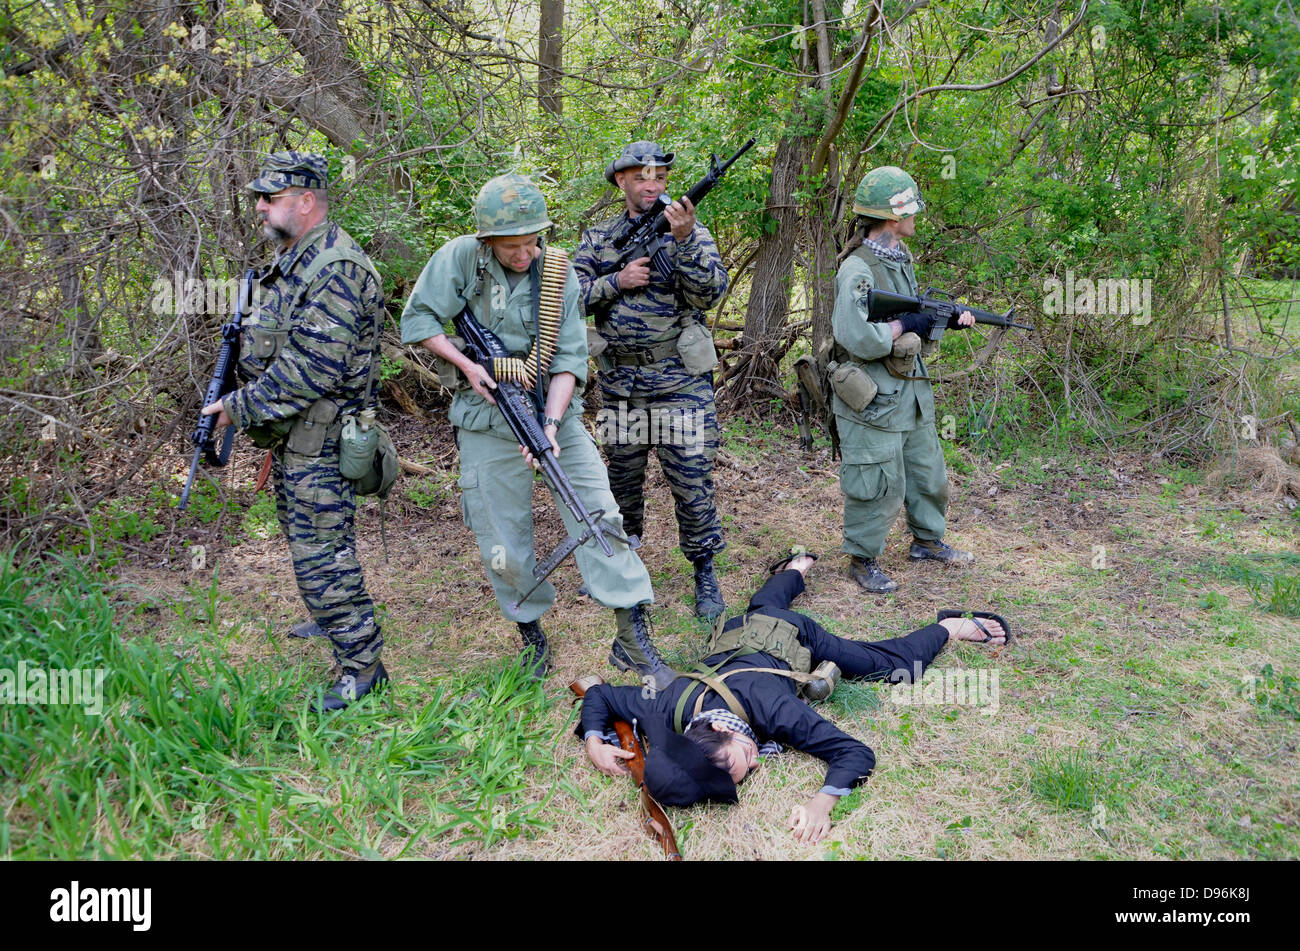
x,y
495,273
306,355
883,401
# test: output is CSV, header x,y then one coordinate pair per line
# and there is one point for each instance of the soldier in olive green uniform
x,y
306,352
883,402
491,273
660,358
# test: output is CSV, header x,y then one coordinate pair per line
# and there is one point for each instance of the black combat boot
x,y
306,629
633,649
867,573
352,685
936,550
708,597
539,660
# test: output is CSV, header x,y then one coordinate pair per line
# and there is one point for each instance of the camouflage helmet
x,y
888,192
510,205
283,170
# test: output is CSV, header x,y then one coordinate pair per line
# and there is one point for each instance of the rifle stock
x,y
654,818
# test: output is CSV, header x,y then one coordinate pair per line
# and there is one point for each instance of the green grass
x,y
193,756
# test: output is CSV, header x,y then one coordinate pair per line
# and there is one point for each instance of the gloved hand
x,y
917,323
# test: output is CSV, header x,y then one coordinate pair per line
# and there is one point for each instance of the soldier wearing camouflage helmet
x,y
883,401
658,363
495,273
306,354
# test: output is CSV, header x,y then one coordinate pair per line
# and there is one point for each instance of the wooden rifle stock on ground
x,y
655,819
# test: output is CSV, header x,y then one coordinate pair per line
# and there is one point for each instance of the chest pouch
x,y
902,360
695,347
852,384
771,635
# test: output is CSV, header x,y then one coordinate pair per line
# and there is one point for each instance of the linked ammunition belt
x,y
527,371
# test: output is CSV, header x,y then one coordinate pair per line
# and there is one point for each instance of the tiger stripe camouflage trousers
x,y
682,428
317,507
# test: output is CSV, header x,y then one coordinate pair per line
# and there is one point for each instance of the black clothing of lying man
x,y
718,749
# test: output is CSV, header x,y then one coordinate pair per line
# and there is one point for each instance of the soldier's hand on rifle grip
x,y
967,319
218,407
635,274
681,218
608,759
551,432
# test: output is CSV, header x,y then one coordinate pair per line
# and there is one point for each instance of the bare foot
x,y
802,564
965,629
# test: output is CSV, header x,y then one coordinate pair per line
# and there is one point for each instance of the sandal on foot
x,y
781,564
975,616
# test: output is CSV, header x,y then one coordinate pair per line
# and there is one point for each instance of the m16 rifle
x,y
223,381
645,238
938,307
521,412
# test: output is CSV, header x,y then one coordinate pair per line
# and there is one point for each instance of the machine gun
x,y
520,410
223,382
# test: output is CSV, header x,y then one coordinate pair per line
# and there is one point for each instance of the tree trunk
x,y
550,56
769,294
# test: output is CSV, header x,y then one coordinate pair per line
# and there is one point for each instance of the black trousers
x,y
899,659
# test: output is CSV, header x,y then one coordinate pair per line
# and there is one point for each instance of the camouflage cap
x,y
510,205
640,154
283,170
888,192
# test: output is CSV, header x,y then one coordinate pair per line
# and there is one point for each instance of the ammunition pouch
x,y
267,344
902,360
448,376
269,435
695,347
770,635
309,430
852,384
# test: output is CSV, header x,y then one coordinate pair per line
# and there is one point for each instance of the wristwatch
x,y
550,421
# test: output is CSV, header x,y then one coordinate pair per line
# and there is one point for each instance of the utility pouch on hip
x,y
448,375
902,361
852,384
307,435
695,347
357,444
269,435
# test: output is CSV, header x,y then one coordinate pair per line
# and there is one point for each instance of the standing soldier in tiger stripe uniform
x,y
499,274
660,358
306,353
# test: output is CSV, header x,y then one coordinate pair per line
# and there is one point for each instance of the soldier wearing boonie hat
x,y
659,360
890,452
492,272
306,353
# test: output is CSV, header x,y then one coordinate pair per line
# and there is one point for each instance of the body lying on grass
x,y
758,710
